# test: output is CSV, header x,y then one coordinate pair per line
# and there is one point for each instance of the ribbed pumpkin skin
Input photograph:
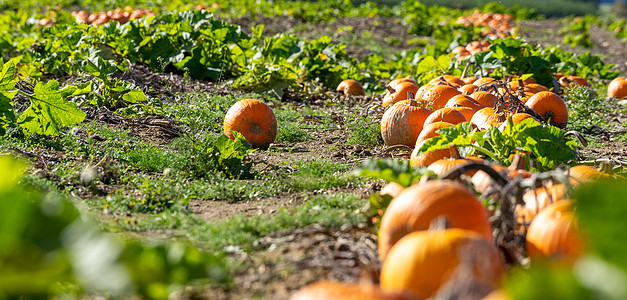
x,y
401,124
484,98
582,174
442,166
427,158
467,89
549,105
421,262
254,120
399,93
485,117
465,101
554,234
350,87
445,114
418,205
430,130
484,80
440,94
617,88
330,290
467,112
538,199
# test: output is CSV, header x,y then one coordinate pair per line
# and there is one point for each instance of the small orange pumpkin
x,y
350,87
423,261
463,100
550,106
484,98
617,88
554,234
401,124
254,120
398,92
418,205
445,114
440,94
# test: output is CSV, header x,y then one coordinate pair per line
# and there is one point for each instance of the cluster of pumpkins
x,y
496,24
422,261
470,49
121,15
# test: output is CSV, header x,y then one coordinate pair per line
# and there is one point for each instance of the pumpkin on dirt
x,y
549,106
350,87
617,88
440,94
401,124
418,205
254,120
422,262
332,290
554,234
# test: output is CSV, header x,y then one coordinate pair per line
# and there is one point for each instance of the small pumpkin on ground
x,y
332,290
254,120
402,123
350,87
617,88
551,107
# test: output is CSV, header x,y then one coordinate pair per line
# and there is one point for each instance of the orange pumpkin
x,y
536,200
467,89
350,87
401,124
392,188
484,98
573,80
584,174
538,86
617,88
254,120
486,117
331,290
442,166
445,114
427,158
429,131
554,234
448,78
418,205
398,93
484,80
550,106
440,94
423,261
465,101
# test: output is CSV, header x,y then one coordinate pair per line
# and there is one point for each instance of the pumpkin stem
x,y
439,223
412,98
390,89
454,151
606,167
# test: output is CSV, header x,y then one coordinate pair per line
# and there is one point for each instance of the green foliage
x,y
585,65
585,108
576,32
548,145
363,131
228,156
7,92
46,243
391,170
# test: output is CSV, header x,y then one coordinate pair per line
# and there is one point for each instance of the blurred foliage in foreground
x,y
48,248
601,273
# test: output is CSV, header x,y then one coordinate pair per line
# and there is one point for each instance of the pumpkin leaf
x,y
391,170
50,110
228,156
7,84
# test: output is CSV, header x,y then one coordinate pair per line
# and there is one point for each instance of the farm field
x,y
120,179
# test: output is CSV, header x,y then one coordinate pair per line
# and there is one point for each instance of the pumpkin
x,y
440,94
469,79
448,78
401,124
442,166
427,158
396,81
331,290
573,80
418,205
484,80
554,234
617,88
482,181
467,89
516,118
486,117
392,188
445,114
350,87
398,93
465,101
423,261
584,174
429,131
254,120
550,106
420,94
484,98
538,199
466,111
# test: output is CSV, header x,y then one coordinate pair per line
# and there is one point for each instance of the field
x,y
117,179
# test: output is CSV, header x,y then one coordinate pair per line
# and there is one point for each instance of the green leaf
x,y
7,84
50,110
391,170
134,96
